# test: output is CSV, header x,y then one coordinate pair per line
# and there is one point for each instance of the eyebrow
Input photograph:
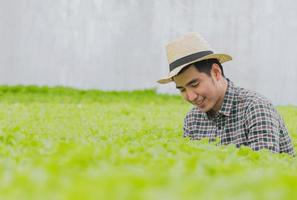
x,y
189,83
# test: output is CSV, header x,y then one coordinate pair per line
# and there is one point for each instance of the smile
x,y
200,102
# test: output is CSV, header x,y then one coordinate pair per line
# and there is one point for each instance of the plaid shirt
x,y
245,118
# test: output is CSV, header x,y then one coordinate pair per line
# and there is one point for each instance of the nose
x,y
191,95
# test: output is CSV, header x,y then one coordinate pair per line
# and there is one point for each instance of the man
x,y
221,109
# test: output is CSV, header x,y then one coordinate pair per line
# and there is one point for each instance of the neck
x,y
222,88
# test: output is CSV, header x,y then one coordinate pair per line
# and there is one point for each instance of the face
x,y
204,91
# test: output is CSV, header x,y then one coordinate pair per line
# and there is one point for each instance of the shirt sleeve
x,y
186,127
286,142
262,127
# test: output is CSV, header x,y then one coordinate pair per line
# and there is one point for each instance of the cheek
x,y
213,97
209,94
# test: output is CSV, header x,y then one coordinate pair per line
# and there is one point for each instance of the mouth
x,y
199,102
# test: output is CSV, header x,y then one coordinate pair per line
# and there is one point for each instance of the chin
x,y
204,108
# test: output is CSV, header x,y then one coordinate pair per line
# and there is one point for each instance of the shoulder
x,y
251,100
257,108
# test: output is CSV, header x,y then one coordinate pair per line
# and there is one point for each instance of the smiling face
x,y
204,91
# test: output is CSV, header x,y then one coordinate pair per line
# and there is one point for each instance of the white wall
x,y
119,44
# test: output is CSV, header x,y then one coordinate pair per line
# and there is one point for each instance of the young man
x,y
221,109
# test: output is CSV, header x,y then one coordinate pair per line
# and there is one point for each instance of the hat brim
x,y
221,57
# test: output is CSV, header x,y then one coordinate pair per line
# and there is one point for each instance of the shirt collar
x,y
228,99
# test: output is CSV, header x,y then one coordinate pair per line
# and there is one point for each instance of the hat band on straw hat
x,y
189,58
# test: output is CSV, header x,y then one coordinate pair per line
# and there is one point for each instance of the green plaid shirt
x,y
245,118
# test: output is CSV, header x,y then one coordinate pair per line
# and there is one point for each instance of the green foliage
x,y
62,143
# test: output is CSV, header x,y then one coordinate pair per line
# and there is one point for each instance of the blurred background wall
x,y
119,44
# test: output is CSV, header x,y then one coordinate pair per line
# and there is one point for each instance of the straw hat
x,y
186,50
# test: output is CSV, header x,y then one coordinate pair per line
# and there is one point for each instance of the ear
x,y
216,72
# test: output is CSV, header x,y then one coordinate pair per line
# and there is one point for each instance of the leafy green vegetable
x,y
63,143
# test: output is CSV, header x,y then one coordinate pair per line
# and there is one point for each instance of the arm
x,y
186,128
262,126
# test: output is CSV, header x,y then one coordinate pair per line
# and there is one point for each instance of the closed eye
x,y
195,84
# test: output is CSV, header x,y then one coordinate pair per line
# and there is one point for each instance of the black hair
x,y
204,66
